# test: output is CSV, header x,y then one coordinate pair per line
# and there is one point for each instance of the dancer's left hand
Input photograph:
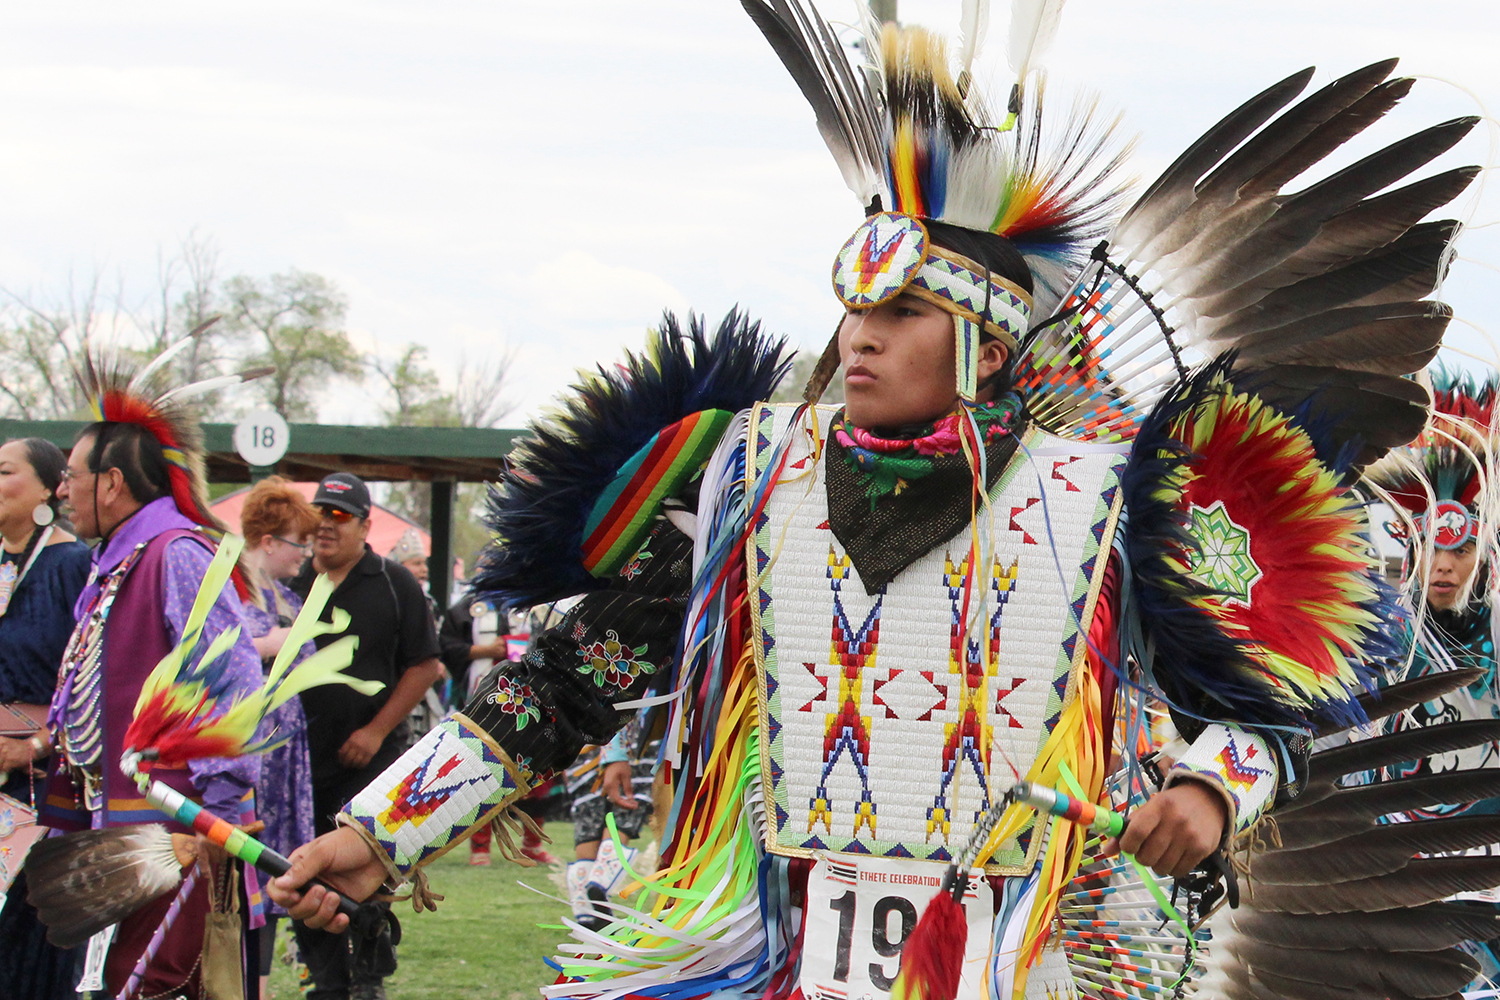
x,y
1175,829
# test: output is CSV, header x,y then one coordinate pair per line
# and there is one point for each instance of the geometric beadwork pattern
x,y
846,732
972,665
439,788
940,687
1222,559
1241,762
954,283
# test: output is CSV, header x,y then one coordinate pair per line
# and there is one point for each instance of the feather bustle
x,y
538,508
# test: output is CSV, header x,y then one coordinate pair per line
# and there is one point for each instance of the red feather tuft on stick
x,y
932,960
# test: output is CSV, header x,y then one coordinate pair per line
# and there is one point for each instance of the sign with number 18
x,y
262,437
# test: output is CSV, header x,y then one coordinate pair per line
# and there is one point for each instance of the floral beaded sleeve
x,y
530,719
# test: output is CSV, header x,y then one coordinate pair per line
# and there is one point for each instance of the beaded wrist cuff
x,y
1239,763
452,781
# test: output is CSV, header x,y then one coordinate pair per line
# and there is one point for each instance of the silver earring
x,y
42,514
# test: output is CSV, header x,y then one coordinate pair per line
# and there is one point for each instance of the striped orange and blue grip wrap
x,y
1053,802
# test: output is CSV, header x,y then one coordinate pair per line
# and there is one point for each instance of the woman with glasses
x,y
277,522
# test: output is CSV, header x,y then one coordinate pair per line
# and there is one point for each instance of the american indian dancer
x,y
1088,459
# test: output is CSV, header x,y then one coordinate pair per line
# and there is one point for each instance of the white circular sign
x,y
262,437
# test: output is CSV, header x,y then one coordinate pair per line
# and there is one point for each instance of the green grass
x,y
483,943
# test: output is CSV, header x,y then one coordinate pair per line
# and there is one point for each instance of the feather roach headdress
x,y
116,394
1441,477
918,144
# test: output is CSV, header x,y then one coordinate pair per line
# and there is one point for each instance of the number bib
x,y
860,912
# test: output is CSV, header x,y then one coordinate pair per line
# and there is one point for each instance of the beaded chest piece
x,y
889,718
77,706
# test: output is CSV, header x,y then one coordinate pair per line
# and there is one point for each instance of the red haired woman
x,y
277,522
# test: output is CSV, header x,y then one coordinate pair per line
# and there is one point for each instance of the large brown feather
x,y
1425,880
1419,928
80,883
1377,851
1391,749
1399,697
1412,974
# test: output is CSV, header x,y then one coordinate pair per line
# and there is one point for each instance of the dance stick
x,y
1050,800
246,848
158,936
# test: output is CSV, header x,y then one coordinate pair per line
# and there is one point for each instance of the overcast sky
x,y
551,175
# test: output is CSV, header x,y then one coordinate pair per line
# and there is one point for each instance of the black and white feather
x,y
1317,286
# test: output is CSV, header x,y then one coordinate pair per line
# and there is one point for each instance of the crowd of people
x,y
1085,550
331,742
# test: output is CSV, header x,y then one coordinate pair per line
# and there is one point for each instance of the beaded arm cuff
x,y
452,781
1238,764
530,719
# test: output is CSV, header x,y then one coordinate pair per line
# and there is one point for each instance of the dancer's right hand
x,y
345,861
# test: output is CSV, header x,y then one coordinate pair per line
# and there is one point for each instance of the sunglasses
x,y
335,514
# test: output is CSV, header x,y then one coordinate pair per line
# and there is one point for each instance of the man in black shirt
x,y
353,737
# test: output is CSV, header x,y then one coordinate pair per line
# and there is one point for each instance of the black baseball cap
x,y
346,491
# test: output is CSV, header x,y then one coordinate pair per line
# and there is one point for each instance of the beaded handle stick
x,y
246,848
1050,800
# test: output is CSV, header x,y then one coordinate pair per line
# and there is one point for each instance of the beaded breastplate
x,y
888,718
78,704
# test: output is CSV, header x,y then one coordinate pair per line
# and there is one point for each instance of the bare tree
x,y
40,340
479,398
418,399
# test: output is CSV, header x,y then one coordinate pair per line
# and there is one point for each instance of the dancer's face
x,y
899,364
1447,573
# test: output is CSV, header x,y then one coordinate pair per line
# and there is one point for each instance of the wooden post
x,y
440,563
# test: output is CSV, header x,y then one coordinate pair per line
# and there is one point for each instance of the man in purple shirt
x,y
146,571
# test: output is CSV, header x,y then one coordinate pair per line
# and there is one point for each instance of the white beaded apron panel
x,y
885,725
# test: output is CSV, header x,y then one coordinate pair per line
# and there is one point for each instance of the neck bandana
x,y
892,499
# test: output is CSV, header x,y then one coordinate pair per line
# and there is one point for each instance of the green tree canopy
x,y
295,323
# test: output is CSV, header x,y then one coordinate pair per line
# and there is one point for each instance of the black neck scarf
x,y
891,500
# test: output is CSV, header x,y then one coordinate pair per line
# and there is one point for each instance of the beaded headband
x,y
891,254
